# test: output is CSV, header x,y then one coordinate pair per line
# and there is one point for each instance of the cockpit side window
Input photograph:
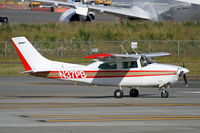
x,y
146,61
108,65
129,64
143,62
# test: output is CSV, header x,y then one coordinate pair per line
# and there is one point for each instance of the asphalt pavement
x,y
36,17
31,104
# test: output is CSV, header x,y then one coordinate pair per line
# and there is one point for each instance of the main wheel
x,y
134,93
164,94
118,93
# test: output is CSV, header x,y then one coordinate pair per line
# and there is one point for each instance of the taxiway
x,y
30,104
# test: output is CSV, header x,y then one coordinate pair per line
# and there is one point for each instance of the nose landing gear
x,y
164,93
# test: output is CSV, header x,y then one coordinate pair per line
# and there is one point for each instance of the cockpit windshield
x,y
145,61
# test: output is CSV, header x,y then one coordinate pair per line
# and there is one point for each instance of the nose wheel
x,y
164,93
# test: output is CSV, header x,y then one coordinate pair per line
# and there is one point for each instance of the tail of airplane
x,y
29,56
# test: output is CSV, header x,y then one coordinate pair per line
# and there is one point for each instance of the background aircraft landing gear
x,y
134,93
119,93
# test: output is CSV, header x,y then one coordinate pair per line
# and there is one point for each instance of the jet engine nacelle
x,y
78,14
87,1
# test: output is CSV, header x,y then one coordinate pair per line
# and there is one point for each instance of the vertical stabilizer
x,y
29,56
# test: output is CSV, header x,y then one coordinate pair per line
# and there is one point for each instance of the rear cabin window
x,y
108,65
129,64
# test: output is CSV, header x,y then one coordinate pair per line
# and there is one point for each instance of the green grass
x,y
103,31
11,70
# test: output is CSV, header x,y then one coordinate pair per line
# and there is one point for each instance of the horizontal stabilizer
x,y
25,72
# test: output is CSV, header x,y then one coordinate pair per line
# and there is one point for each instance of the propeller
x,y
184,75
185,79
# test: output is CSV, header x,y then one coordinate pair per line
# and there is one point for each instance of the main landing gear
x,y
119,93
135,93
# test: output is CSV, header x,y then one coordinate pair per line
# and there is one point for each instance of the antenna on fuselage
x,y
134,45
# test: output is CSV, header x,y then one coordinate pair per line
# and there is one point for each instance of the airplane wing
x,y
156,54
191,1
130,13
69,4
114,57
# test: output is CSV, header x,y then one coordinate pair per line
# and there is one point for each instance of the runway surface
x,y
30,104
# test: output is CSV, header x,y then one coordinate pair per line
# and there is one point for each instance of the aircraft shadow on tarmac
x,y
88,97
59,83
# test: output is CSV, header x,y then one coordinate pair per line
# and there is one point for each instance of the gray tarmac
x,y
31,104
32,17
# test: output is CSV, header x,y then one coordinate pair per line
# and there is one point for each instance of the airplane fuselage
x,y
152,75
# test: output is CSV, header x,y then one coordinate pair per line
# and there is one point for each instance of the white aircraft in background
x,y
191,1
123,70
138,11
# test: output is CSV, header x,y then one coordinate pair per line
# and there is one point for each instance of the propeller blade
x,y
183,64
185,79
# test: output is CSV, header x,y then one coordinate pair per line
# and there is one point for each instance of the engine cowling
x,y
73,15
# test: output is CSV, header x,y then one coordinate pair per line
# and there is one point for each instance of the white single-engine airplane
x,y
123,70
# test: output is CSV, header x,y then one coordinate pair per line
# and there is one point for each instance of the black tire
x,y
134,93
164,94
118,93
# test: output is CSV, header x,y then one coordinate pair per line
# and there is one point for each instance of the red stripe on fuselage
x,y
129,76
24,62
117,76
141,75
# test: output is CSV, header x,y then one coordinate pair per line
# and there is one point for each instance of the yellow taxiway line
x,y
146,118
112,116
99,118
84,105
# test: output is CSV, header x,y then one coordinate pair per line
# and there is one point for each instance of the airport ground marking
x,y
122,119
114,116
83,105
